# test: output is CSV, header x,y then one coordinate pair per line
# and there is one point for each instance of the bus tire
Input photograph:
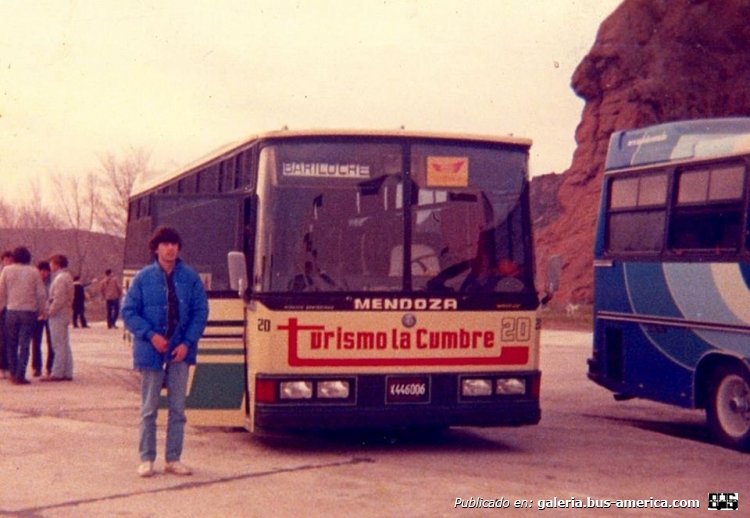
x,y
728,406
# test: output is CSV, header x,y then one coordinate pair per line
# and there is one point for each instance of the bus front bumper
x,y
268,417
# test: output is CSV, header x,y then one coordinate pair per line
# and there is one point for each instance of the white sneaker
x,y
146,469
177,468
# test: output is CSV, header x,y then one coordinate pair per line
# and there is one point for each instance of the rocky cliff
x,y
653,61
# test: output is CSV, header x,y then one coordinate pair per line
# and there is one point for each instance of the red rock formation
x,y
653,61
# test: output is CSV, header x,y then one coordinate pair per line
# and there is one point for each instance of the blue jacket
x,y
145,313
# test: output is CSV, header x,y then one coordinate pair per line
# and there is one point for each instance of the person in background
x,y
58,310
5,260
79,303
41,326
23,295
166,309
111,291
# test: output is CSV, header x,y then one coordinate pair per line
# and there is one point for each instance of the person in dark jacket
x,y
5,259
166,310
79,303
42,326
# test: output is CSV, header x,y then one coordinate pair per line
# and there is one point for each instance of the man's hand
x,y
160,343
179,353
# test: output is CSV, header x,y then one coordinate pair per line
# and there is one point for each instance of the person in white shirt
x,y
5,260
59,311
23,296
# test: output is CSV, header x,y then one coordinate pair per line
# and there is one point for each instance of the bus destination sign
x,y
325,170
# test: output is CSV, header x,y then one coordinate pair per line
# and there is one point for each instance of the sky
x,y
81,79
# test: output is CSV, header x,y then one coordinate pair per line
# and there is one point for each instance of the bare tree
x,y
118,177
8,215
80,203
34,214
78,197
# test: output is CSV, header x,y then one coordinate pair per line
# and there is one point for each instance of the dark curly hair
x,y
164,234
21,255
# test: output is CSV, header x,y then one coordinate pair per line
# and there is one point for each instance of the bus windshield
x,y
380,216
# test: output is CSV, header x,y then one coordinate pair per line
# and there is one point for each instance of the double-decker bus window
x,y
197,216
708,212
207,180
727,183
624,194
222,175
329,218
143,208
636,232
636,213
468,222
245,173
652,190
238,167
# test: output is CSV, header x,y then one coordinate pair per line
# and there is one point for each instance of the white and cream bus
x,y
386,279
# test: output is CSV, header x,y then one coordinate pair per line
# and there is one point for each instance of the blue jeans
x,y
36,348
113,311
3,354
176,374
19,329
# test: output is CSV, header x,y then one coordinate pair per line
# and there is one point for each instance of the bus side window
x,y
707,216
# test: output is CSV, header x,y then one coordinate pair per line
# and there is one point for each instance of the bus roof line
x,y
675,141
144,185
670,164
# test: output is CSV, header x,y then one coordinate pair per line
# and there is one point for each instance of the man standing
x,y
5,260
23,295
79,303
59,312
111,291
166,309
41,326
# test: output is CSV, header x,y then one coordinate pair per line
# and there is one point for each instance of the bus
x,y
356,279
672,271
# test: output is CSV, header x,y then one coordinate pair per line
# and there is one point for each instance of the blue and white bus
x,y
672,271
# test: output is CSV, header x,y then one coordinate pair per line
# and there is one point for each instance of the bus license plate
x,y
407,389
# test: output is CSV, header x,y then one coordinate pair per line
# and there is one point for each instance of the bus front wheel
x,y
728,408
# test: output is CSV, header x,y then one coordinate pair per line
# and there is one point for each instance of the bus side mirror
x,y
237,272
552,281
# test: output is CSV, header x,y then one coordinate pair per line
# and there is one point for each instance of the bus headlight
x,y
476,387
296,390
334,389
510,386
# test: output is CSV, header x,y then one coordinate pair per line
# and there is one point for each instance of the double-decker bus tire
x,y
728,406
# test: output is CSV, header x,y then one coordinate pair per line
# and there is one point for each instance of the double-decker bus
x,y
386,279
672,271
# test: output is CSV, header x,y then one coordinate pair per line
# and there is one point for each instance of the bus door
x,y
210,227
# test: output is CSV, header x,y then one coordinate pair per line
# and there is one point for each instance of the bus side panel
x,y
630,360
216,386
650,327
